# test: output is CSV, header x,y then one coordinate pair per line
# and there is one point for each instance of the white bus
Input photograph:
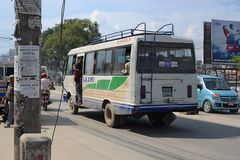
x,y
5,71
161,79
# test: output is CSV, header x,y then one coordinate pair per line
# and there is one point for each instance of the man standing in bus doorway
x,y
9,97
78,79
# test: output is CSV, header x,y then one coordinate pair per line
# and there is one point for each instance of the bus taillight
x,y
143,91
189,91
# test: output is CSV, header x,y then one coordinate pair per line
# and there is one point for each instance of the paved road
x,y
86,137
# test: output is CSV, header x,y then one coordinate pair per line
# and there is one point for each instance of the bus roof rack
x,y
133,32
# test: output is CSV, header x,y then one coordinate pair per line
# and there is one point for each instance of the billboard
x,y
225,40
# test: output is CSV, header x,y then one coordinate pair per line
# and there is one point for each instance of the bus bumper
x,y
147,108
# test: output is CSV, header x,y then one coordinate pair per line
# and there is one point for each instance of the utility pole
x,y
27,104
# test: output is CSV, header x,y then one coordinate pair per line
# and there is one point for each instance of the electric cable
x,y
60,52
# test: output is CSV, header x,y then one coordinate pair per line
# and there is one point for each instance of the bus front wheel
x,y
73,107
111,119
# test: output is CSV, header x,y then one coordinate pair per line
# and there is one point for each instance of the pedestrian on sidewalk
x,y
9,97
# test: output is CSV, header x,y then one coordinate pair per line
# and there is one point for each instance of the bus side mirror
x,y
199,86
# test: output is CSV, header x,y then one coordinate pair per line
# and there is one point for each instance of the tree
x,y
236,60
76,33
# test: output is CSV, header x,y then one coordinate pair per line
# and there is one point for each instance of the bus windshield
x,y
159,57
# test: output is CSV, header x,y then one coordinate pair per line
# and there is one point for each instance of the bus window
x,y
1,73
100,61
9,71
71,61
165,58
108,62
119,59
89,64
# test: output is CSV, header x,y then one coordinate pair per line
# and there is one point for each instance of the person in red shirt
x,y
77,67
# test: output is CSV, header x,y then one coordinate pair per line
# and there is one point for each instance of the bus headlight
x,y
216,96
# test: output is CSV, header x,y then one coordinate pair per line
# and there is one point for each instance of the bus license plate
x,y
167,92
230,104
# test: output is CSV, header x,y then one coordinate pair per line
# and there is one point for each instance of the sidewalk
x,y
7,136
7,142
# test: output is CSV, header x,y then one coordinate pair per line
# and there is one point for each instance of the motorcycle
x,y
52,86
45,99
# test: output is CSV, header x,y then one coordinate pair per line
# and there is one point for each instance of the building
x,y
8,58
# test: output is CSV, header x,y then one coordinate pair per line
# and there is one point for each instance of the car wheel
x,y
207,106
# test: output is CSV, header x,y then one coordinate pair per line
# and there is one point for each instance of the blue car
x,y
214,94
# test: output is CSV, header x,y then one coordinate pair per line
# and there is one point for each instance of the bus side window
x,y
100,61
1,73
89,68
9,71
71,61
118,60
108,62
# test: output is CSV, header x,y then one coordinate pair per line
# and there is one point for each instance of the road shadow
x,y
94,115
224,113
185,128
180,128
49,120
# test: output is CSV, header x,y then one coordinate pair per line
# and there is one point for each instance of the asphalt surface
x,y
85,136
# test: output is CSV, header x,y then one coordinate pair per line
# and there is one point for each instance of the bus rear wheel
x,y
111,119
165,118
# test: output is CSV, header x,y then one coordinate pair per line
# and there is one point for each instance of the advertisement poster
x,y
225,40
27,75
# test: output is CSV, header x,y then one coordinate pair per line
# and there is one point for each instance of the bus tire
x,y
73,108
161,118
111,119
44,106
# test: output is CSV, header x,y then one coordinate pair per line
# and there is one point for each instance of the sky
x,y
187,16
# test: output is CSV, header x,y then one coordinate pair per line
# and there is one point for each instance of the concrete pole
x,y
27,104
35,147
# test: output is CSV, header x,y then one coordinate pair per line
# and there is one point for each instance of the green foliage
x,y
236,59
76,33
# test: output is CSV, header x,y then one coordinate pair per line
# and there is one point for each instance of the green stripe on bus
x,y
90,86
104,84
117,82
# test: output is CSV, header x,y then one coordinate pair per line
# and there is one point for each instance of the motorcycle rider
x,y
45,84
